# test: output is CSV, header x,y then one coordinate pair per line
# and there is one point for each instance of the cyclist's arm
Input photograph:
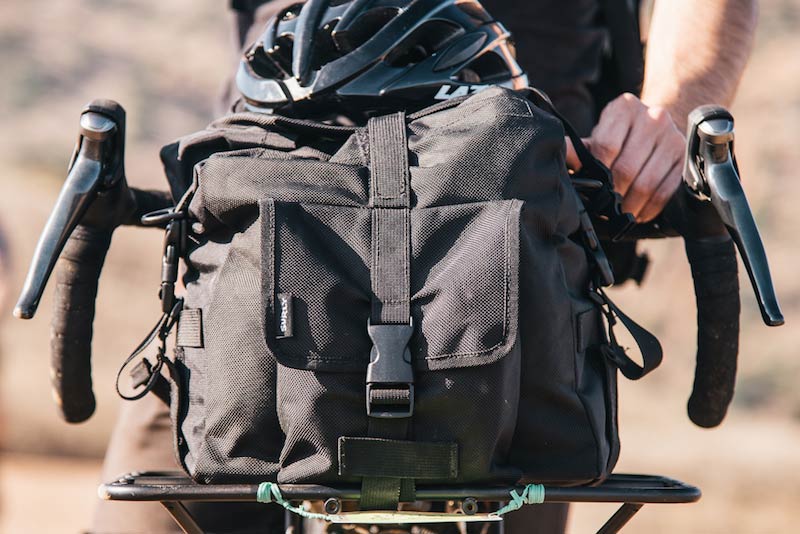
x,y
696,53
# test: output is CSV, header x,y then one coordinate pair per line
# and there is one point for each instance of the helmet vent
x,y
364,27
486,68
325,48
291,12
281,52
423,42
262,65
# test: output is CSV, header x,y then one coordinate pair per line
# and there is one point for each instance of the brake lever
x,y
96,165
712,175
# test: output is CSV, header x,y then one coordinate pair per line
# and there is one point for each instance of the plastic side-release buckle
x,y
390,374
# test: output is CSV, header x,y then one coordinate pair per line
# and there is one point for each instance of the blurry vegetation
x,y
772,386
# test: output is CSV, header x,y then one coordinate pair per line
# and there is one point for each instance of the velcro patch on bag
x,y
370,457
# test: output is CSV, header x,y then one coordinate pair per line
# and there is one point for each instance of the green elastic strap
x,y
532,494
269,492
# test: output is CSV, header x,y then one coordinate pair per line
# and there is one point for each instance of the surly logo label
x,y
284,317
446,92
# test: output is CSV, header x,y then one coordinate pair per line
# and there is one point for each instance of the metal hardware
x,y
333,506
469,506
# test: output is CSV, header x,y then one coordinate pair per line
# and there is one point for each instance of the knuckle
x,y
632,102
604,150
658,113
665,121
611,110
624,102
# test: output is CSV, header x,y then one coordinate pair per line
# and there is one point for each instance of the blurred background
x,y
166,62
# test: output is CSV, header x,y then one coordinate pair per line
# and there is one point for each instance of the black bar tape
x,y
78,270
716,285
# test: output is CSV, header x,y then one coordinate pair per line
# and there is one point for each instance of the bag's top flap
x,y
514,149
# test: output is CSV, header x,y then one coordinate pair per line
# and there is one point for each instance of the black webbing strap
x,y
390,199
648,344
389,376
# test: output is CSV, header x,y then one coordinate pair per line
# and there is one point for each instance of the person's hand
x,y
644,150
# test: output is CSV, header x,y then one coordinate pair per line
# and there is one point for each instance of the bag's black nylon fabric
x,y
505,348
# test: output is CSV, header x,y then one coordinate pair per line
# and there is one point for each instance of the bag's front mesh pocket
x,y
320,286
464,282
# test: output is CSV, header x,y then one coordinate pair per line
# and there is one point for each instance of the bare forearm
x,y
696,53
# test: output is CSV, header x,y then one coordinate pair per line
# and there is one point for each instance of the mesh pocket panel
x,y
321,260
464,282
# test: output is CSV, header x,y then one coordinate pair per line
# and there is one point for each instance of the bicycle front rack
x,y
173,489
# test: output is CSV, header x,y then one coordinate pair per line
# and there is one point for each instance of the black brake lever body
x,y
713,175
97,166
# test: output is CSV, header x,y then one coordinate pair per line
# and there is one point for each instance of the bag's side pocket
x,y
595,382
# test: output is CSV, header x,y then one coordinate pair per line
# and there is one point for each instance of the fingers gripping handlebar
x,y
94,200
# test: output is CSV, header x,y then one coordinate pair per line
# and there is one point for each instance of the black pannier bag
x,y
447,247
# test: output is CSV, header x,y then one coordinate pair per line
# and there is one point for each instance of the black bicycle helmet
x,y
377,54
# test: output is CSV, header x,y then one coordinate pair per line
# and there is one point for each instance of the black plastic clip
x,y
174,245
601,200
599,255
390,374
